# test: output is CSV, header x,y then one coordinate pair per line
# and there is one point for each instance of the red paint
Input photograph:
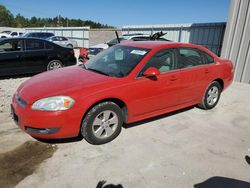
x,y
83,55
144,97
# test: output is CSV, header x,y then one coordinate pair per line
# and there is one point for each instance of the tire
x,y
54,64
211,97
98,129
70,46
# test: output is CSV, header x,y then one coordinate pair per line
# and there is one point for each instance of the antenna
x,y
117,36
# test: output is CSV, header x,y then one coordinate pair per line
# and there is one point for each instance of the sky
x,y
126,12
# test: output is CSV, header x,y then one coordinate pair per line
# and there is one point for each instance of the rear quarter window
x,y
207,58
189,57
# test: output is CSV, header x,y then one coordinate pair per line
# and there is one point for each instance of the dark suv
x,y
42,35
30,55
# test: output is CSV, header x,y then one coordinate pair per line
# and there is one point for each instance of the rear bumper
x,y
47,125
228,80
70,61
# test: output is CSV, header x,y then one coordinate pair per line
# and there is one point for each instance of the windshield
x,y
117,61
26,34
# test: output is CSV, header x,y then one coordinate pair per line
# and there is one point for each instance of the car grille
x,y
21,102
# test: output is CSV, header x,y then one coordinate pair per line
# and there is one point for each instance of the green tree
x,y
6,18
33,22
21,21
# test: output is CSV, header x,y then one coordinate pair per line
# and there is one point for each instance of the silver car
x,y
63,41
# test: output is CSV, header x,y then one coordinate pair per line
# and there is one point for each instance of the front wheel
x,y
212,96
102,123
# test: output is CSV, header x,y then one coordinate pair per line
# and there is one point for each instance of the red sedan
x,y
126,83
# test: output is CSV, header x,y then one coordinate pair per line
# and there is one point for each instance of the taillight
x,y
232,66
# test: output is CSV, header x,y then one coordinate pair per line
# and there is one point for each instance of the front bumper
x,y
47,125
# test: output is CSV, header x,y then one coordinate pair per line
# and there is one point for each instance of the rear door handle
x,y
173,78
207,71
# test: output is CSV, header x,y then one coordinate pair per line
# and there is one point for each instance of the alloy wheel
x,y
105,124
212,95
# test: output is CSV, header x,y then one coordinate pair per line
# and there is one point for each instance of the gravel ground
x,y
7,89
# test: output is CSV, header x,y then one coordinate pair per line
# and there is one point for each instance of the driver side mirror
x,y
151,72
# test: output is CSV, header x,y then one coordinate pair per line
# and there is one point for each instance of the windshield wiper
x,y
98,71
94,70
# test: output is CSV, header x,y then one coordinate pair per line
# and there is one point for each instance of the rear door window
x,y
188,57
64,39
48,46
34,35
48,35
34,45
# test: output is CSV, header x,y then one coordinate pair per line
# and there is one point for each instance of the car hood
x,y
63,81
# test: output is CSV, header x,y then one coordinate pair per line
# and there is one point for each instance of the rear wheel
x,y
54,64
212,96
102,123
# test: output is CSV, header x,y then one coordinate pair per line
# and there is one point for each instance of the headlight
x,y
53,103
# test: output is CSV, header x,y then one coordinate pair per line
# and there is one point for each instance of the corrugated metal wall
x,y
80,34
236,43
209,35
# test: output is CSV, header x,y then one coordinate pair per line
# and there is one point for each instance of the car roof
x,y
32,38
155,44
128,37
164,44
57,36
23,38
132,34
40,32
26,38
